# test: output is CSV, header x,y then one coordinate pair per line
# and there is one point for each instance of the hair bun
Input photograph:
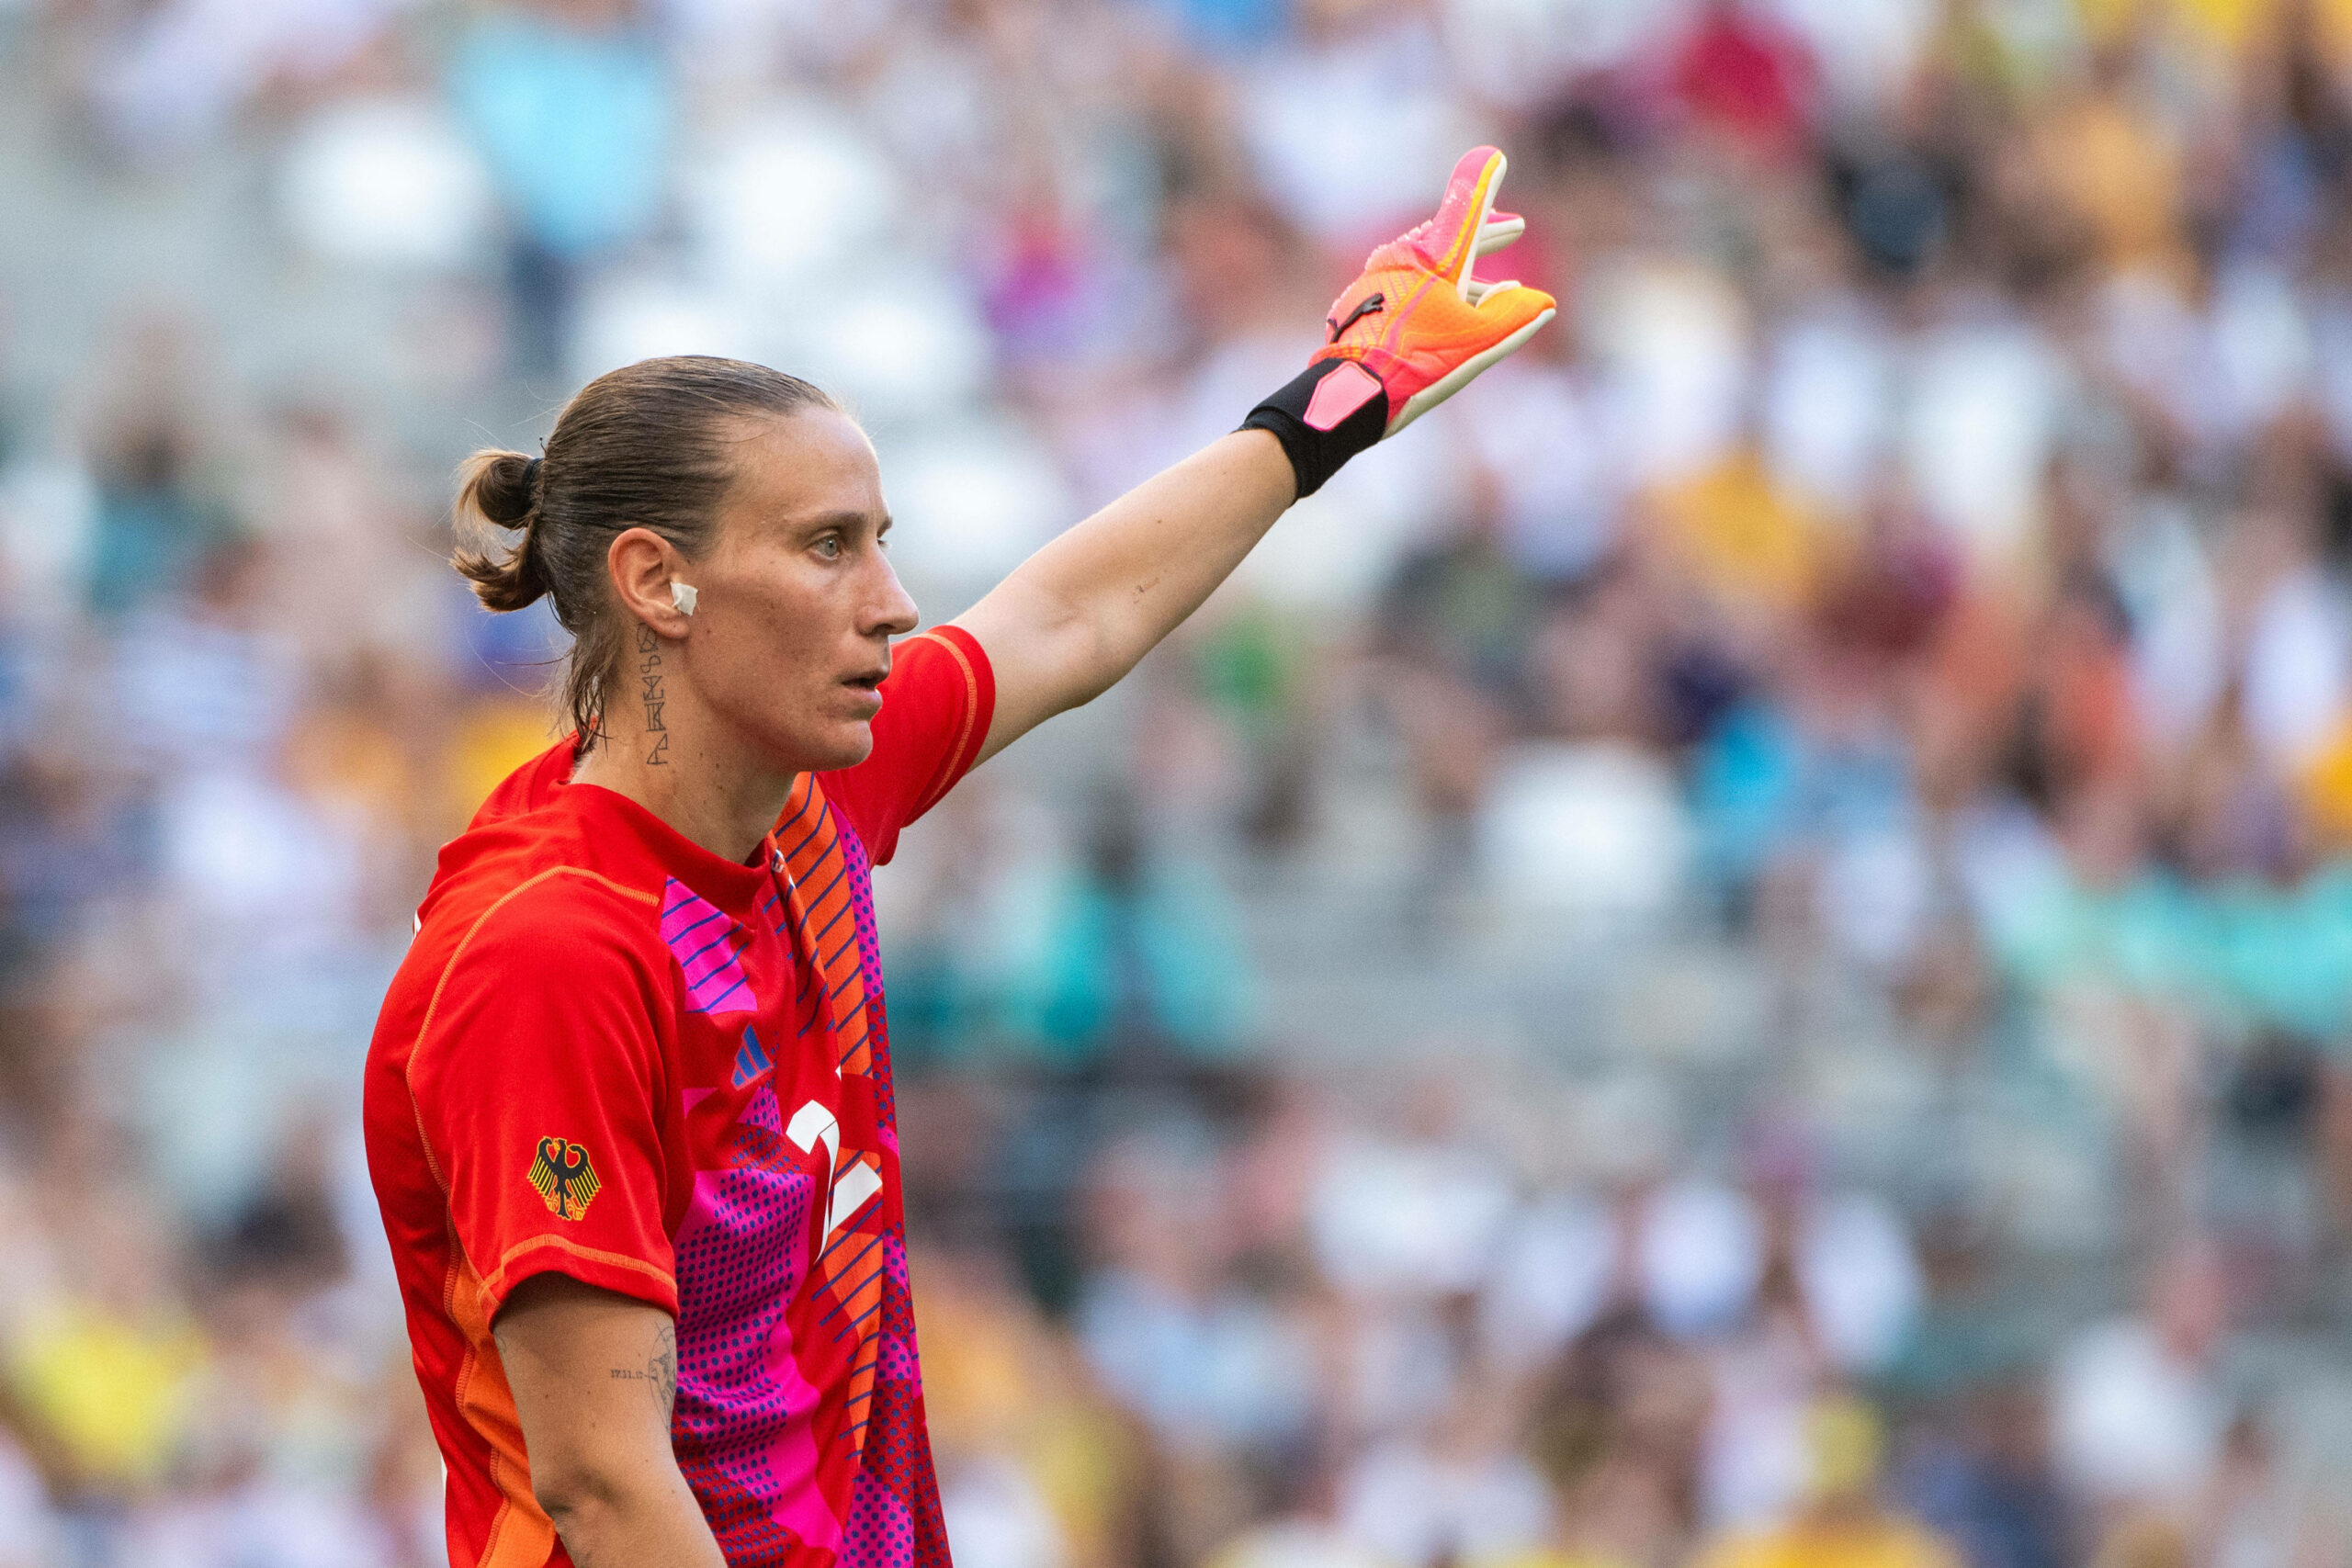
x,y
502,488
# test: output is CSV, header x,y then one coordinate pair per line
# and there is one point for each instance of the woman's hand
x,y
1413,329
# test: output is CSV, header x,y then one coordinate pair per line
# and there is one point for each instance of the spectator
x,y
1842,1523
572,107
2137,1412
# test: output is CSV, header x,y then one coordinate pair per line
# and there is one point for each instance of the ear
x,y
643,564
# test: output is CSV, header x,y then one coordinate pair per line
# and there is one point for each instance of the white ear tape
x,y
681,596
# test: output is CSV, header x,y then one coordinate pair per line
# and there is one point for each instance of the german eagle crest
x,y
565,1180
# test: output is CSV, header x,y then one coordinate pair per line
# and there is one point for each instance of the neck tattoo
x,y
648,671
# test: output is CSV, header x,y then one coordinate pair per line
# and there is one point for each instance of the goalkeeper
x,y
628,1104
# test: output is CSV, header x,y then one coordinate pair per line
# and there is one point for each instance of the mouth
x,y
868,681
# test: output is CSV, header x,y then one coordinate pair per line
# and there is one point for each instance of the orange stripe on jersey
x,y
829,913
592,1254
522,1535
850,1268
832,930
853,1272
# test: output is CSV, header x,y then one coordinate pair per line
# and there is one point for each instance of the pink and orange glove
x,y
1410,332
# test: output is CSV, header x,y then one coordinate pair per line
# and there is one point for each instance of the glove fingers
x,y
1507,307
1499,230
1454,232
1503,347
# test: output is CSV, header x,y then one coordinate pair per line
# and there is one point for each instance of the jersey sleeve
x,y
539,1082
936,706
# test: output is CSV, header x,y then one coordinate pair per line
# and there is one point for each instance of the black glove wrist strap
x,y
1320,434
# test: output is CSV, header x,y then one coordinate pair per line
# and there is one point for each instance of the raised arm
x,y
1078,614
594,1375
1411,331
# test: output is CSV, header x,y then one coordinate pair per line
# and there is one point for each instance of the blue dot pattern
x,y
739,1266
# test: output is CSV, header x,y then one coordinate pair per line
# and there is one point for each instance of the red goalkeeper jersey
x,y
612,1055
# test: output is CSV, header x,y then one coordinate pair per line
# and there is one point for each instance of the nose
x,y
892,611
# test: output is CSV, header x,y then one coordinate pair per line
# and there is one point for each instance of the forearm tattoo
x,y
661,1370
648,671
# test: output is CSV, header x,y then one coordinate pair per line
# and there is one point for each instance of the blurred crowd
x,y
1737,952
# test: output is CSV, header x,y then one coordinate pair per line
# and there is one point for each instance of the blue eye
x,y
830,547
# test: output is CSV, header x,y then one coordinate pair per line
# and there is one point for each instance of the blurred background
x,y
1737,952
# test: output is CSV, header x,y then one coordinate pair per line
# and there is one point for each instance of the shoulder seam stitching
x,y
425,1025
592,1254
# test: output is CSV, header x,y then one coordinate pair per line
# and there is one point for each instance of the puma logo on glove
x,y
1363,308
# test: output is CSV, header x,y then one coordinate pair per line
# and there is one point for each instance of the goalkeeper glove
x,y
1410,332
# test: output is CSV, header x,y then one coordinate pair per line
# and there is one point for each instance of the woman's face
x,y
796,600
